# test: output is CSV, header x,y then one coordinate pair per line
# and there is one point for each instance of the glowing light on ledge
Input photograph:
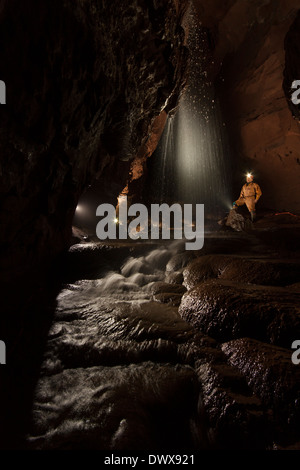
x,y
79,209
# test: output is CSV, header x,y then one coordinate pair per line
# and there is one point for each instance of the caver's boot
x,y
253,216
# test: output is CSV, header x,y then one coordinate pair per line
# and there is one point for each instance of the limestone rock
x,y
175,277
164,287
250,270
116,421
274,379
167,293
235,221
225,311
235,416
179,261
168,298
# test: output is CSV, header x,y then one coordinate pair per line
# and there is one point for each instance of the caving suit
x,y
250,194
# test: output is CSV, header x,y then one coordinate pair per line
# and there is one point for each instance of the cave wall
x,y
88,84
85,82
249,40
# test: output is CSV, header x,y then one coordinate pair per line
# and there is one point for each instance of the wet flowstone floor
x,y
118,370
157,348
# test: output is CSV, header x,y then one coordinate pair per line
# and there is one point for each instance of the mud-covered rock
x,y
273,377
109,372
241,269
179,261
225,311
164,287
235,416
168,298
236,221
295,287
167,293
203,268
174,277
137,407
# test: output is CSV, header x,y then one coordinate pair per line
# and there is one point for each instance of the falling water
x,y
192,161
118,365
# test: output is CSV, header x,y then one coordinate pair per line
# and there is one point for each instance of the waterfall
x,y
192,161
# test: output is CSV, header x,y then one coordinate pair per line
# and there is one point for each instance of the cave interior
x,y
123,344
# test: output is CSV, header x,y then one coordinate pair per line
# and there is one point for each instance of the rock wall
x,y
85,82
250,47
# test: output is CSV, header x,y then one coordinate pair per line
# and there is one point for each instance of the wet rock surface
x,y
134,361
234,416
271,375
168,293
120,408
249,303
226,310
115,359
257,271
236,221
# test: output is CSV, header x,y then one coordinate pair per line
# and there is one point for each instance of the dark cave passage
x,y
141,344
